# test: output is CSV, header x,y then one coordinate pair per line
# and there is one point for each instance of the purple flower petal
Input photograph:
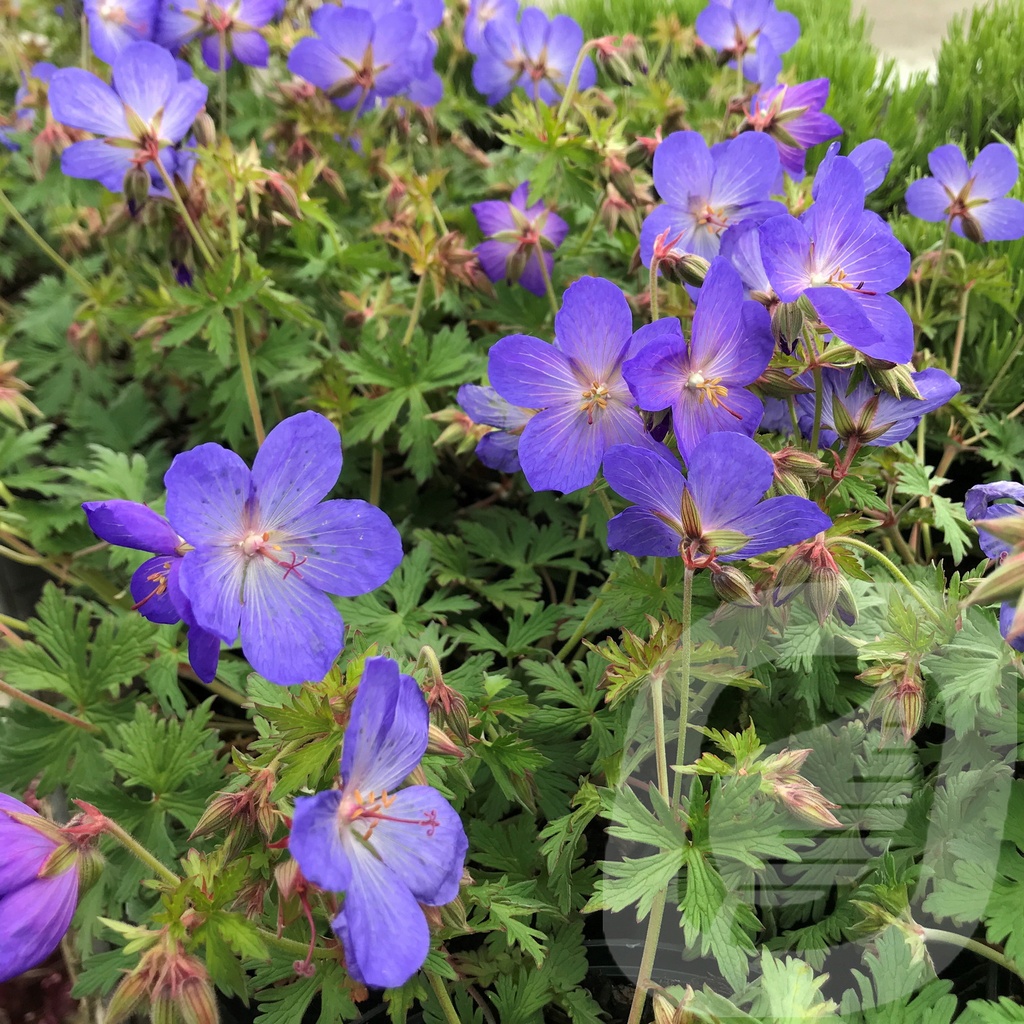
x,y
986,501
79,99
693,420
203,653
381,926
499,451
25,848
641,476
250,48
212,581
531,373
683,168
641,533
676,223
258,13
594,326
291,632
531,278
949,165
485,405
994,172
785,245
296,467
387,732
745,170
145,77
714,467
873,159
208,489
1001,220
716,27
315,841
494,215
313,60
33,920
130,525
560,450
95,160
349,547
182,109
428,858
777,523
928,200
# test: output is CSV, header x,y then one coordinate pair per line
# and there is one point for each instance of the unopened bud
x,y
1005,584
454,918
776,382
790,576
897,380
136,187
971,228
289,878
204,130
127,998
805,465
823,591
690,516
807,802
733,586
687,268
1009,529
439,742
197,1002
666,1012
787,325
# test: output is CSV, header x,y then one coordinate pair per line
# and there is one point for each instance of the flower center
x,y
712,391
595,397
712,219
159,581
256,543
373,808
111,10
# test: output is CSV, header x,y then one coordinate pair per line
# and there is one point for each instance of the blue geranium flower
x,y
738,29
387,852
845,260
971,197
714,513
576,383
147,110
230,27
115,24
267,549
498,449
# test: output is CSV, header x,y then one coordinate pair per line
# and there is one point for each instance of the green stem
x,y
183,210
819,396
43,245
47,709
417,308
654,289
952,939
376,474
574,79
238,318
548,286
961,328
741,82
896,572
654,922
293,946
134,847
443,998
938,270
684,682
570,645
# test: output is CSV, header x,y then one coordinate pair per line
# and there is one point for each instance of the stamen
x,y
596,397
160,579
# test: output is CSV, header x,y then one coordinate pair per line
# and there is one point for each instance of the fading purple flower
x,y
155,585
498,449
387,852
993,501
792,116
357,57
224,27
115,24
705,191
518,238
863,414
481,14
971,196
38,891
268,549
146,111
872,158
736,30
844,259
537,54
576,383
714,513
704,383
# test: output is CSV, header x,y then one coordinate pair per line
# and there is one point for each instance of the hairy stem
x,y
893,568
445,1000
654,289
819,398
376,474
417,308
293,946
939,265
193,230
137,850
952,939
42,244
549,288
654,922
574,79
47,709
238,318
